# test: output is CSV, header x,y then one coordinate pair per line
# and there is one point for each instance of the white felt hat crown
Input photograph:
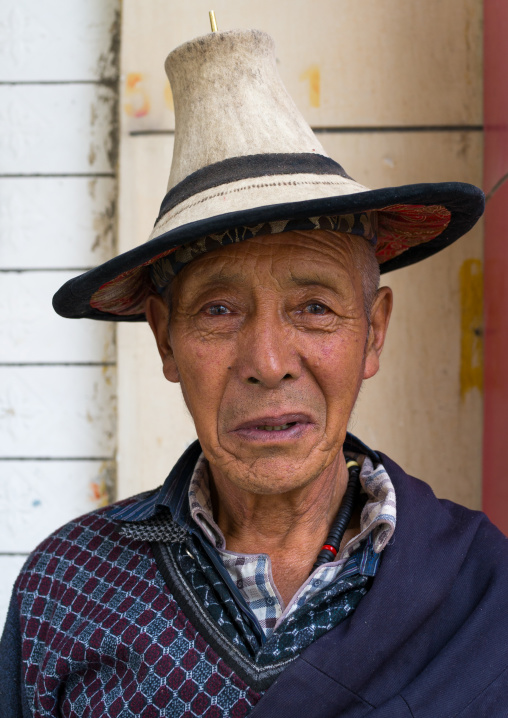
x,y
230,104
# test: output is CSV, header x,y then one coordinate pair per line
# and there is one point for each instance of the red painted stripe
x,y
495,439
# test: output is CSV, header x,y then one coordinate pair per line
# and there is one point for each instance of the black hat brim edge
x,y
465,202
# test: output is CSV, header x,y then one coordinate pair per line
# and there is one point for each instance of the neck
x,y
289,527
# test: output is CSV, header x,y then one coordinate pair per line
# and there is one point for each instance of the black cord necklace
x,y
331,547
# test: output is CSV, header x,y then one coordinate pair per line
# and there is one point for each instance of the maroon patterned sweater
x,y
100,622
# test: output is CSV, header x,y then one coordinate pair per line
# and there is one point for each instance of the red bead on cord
x,y
327,547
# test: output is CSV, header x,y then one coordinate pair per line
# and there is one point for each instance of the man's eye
x,y
315,308
217,309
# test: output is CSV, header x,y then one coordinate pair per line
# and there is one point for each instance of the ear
x,y
379,318
157,315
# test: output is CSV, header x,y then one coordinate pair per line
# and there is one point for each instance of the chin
x,y
269,476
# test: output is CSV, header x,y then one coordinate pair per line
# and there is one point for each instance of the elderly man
x,y
283,567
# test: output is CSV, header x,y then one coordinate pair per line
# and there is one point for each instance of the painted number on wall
x,y
313,75
138,104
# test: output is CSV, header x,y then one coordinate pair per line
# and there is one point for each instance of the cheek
x,y
203,372
337,365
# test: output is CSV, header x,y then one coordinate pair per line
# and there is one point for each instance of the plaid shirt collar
x,y
377,519
252,573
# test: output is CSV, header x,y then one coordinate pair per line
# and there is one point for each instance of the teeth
x,y
275,428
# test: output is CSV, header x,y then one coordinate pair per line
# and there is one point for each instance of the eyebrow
x,y
306,280
221,277
309,281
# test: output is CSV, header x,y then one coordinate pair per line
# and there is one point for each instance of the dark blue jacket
x,y
430,639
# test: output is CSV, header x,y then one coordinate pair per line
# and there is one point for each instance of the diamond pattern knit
x,y
103,636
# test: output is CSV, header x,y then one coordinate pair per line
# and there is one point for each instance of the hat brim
x,y
464,202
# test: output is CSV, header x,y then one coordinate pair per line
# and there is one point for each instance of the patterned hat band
x,y
363,224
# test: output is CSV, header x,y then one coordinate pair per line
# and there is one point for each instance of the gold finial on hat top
x,y
213,21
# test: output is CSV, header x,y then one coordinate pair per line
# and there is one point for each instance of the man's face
x,y
270,343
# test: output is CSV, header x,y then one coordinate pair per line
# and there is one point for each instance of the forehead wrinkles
x,y
306,260
293,258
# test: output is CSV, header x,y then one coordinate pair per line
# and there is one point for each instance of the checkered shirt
x,y
252,573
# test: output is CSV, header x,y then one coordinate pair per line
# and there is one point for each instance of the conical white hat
x,y
241,142
246,163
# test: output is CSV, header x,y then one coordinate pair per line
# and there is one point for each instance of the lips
x,y
283,427
275,423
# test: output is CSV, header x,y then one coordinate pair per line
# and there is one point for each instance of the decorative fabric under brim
x,y
399,227
362,224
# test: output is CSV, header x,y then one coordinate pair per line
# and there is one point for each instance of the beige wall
x,y
394,86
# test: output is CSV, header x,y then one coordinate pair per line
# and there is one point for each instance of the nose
x,y
268,353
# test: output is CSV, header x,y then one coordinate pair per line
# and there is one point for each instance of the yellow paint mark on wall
x,y
168,97
471,307
313,75
139,102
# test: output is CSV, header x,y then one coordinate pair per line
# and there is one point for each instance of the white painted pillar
x,y
58,105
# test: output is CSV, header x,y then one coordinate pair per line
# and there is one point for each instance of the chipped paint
x,y
114,83
471,344
108,62
92,155
109,99
94,115
98,490
104,225
92,187
313,75
103,489
108,379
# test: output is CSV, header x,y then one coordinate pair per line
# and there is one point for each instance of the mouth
x,y
274,428
282,427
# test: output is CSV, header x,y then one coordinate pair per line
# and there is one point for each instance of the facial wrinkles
x,y
361,256
267,274
258,278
